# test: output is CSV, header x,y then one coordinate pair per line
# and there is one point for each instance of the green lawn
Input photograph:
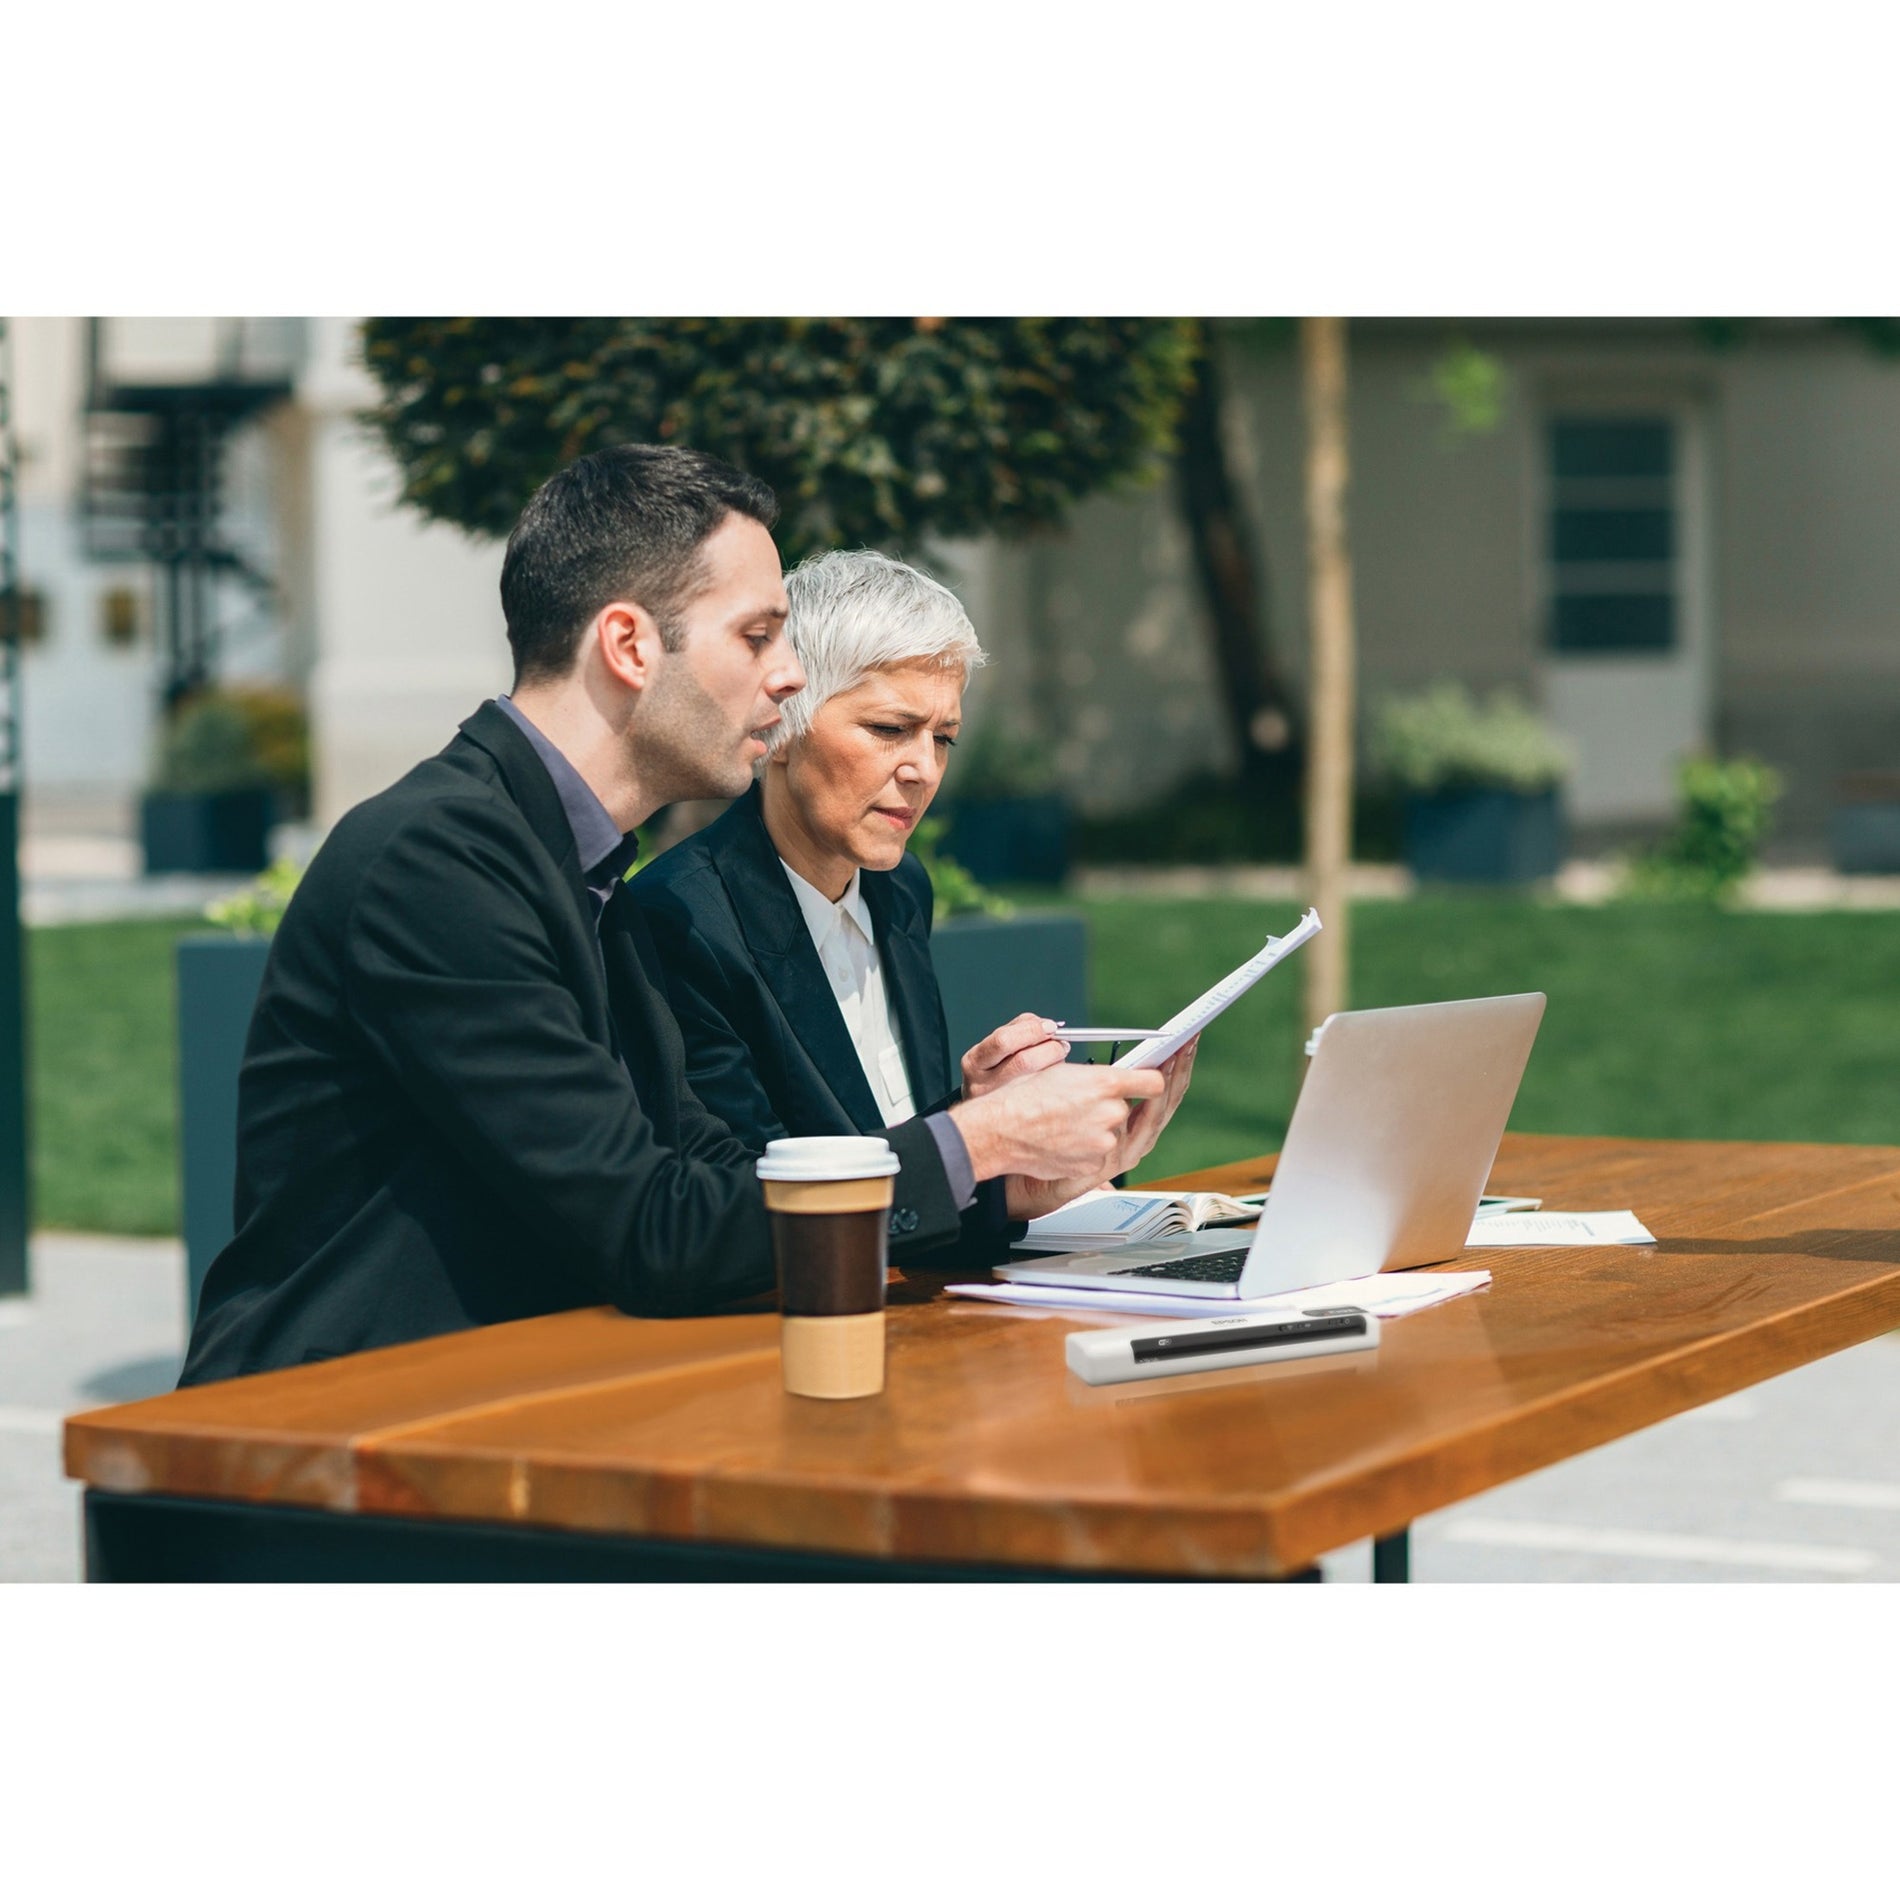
x,y
100,1001
1662,1022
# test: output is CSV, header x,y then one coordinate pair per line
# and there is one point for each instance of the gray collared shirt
x,y
606,855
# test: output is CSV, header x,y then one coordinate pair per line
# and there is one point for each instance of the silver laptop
x,y
1391,1142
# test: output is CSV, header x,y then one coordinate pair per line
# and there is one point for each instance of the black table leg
x,y
148,1538
1392,1557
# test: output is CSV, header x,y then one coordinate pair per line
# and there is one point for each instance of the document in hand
x,y
1104,1218
1186,1024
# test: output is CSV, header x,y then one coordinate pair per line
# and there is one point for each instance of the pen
x,y
1066,1034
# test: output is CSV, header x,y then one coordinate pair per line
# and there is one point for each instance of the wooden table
x,y
589,1444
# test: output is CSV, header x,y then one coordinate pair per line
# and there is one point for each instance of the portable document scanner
x,y
1203,1345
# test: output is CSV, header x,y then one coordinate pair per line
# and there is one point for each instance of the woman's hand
x,y
1023,1046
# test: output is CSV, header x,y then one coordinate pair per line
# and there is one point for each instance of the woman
x,y
795,929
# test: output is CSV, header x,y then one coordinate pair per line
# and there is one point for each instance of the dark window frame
x,y
1612,534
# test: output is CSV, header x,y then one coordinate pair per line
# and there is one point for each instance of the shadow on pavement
x,y
136,1379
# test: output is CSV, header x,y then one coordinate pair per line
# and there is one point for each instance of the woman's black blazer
x,y
767,1049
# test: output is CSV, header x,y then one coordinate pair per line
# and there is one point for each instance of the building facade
x,y
1668,546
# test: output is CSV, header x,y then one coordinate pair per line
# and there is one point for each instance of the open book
x,y
1111,1217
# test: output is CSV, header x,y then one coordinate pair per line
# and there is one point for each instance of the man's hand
x,y
1026,1198
1150,1117
1025,1045
1066,1121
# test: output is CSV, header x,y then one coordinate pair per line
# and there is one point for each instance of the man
x,y
463,1098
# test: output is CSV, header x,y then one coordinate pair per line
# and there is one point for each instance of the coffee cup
x,y
829,1197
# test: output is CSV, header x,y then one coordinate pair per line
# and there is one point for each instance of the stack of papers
x,y
1104,1218
1618,1229
1384,1295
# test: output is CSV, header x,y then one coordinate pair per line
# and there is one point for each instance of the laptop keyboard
x,y
1208,1266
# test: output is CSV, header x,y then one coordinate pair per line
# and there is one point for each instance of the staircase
x,y
151,486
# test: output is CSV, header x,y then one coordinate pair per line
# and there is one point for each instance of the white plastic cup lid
x,y
827,1158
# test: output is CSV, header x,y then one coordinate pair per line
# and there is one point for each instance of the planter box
x,y
1010,840
208,831
989,969
218,979
1864,826
1484,837
993,968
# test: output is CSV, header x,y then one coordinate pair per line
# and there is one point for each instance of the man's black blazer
x,y
767,1049
436,1127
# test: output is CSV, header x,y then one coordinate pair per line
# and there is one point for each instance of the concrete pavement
x,y
105,1322
81,863
1795,1480
1788,887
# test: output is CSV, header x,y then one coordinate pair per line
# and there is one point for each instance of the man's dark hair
x,y
623,523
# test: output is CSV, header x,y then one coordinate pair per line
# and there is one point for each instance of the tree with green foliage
x,y
873,431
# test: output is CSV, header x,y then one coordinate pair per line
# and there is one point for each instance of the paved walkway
x,y
105,1321
1583,881
74,884
79,863
1796,1480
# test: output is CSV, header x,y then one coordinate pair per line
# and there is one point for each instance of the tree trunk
x,y
1227,561
1330,700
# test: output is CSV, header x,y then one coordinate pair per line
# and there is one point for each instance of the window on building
x,y
119,616
29,616
1613,534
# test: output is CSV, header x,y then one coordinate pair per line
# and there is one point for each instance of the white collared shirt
x,y
847,948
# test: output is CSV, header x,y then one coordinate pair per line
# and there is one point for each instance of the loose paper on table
x,y
1384,1295
1182,1027
1619,1228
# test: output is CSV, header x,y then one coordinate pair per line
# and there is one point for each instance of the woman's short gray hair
x,y
854,613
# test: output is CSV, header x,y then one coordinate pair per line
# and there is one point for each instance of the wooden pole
x,y
1329,618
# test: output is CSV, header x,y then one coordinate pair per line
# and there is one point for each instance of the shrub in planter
x,y
211,801
1864,826
991,962
1007,822
280,742
1726,807
1207,819
230,763
1481,785
218,979
206,831
954,891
